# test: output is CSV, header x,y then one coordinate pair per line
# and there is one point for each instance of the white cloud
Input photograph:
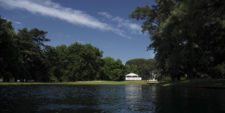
x,y
105,14
134,27
13,21
123,23
17,22
49,8
52,9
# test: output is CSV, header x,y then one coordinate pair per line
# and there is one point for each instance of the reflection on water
x,y
190,100
110,99
136,98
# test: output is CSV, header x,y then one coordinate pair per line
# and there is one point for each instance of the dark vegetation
x,y
188,37
24,56
143,67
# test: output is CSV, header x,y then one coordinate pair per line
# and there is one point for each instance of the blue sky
x,y
102,23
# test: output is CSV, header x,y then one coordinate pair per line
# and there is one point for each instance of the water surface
x,y
110,99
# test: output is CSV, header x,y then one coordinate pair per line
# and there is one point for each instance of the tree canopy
x,y
144,67
187,36
24,56
113,69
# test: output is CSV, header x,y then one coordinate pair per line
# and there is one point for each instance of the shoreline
x,y
96,82
195,83
198,83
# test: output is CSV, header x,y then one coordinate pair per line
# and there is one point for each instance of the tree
x,y
132,68
24,56
74,62
113,69
58,63
144,67
8,51
84,61
33,62
187,36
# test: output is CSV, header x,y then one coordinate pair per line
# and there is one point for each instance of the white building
x,y
132,76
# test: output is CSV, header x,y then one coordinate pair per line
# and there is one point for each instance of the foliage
x,y
113,69
8,50
187,36
24,56
32,59
74,63
144,67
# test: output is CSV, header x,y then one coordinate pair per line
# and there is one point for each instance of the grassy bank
x,y
204,83
142,82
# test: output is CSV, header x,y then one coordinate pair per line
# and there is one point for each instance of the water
x,y
110,99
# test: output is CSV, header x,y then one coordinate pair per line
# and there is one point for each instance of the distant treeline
x,y
24,56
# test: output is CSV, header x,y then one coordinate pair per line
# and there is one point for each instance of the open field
x,y
220,83
142,82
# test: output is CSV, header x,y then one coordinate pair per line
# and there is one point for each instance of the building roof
x,y
131,74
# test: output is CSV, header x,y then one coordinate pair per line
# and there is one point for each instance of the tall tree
x,y
58,63
144,67
74,62
187,36
33,61
8,50
84,61
113,69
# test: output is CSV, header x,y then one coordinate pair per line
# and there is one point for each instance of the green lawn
x,y
142,82
204,83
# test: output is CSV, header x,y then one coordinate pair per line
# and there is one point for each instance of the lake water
x,y
110,99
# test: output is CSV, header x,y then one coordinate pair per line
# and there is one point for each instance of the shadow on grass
x,y
201,83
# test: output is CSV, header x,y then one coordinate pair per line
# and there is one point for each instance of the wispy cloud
x,y
105,14
76,17
49,8
122,23
13,21
18,22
